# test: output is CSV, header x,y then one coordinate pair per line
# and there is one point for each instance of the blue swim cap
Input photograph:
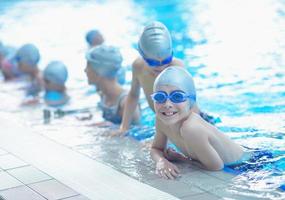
x,y
155,41
91,35
105,60
28,54
178,77
56,72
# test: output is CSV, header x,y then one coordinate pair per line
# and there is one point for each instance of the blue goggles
x,y
155,63
176,96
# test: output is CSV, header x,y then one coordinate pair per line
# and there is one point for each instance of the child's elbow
x,y
217,166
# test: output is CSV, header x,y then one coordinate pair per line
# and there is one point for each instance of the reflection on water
x,y
235,51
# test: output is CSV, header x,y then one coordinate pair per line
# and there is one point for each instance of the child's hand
x,y
30,101
166,169
119,132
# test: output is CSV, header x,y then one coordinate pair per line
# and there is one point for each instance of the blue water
x,y
235,51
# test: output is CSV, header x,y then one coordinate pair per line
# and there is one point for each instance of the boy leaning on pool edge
x,y
177,119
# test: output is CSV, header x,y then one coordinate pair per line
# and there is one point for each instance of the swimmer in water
x,y
94,38
8,63
28,57
103,64
177,120
55,76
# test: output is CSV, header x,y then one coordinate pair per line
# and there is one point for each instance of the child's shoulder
x,y
193,123
138,64
177,62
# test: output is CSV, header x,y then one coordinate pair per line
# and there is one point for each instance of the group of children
x,y
23,64
168,87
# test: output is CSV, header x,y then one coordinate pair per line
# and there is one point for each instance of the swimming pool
x,y
234,50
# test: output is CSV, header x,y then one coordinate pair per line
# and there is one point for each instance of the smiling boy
x,y
177,119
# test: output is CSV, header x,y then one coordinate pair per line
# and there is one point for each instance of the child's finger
x,y
163,175
169,174
115,133
176,169
174,173
159,173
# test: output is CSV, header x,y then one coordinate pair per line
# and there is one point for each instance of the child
x,y
27,58
8,63
103,64
55,75
178,119
156,54
94,38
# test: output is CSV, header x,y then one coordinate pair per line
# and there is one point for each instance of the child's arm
x,y
172,155
136,112
130,104
30,101
198,140
40,81
164,168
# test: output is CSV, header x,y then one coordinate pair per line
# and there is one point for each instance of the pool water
x,y
235,51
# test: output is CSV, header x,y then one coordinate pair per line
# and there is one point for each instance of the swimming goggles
x,y
155,63
176,96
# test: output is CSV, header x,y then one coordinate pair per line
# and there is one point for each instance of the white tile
x,y
20,193
203,196
7,181
203,181
78,197
221,175
175,187
9,161
29,174
53,189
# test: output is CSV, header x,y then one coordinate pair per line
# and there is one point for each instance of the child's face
x,y
97,41
53,86
91,75
26,68
169,112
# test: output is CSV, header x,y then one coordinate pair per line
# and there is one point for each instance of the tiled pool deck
x,y
21,181
34,167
